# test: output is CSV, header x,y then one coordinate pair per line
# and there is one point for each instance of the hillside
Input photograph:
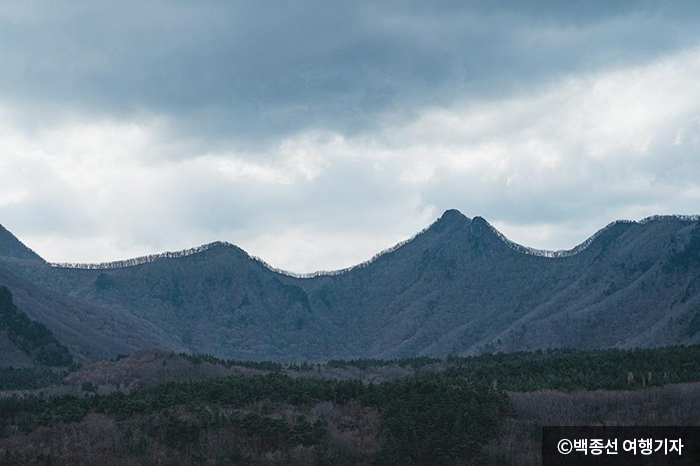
x,y
26,342
12,248
458,287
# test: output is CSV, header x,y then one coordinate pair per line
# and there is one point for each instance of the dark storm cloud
x,y
251,72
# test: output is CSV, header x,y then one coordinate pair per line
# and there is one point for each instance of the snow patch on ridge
x,y
205,247
513,245
139,260
581,247
331,273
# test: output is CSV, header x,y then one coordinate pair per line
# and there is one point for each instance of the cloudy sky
x,y
316,133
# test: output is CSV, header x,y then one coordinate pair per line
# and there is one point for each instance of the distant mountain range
x,y
459,287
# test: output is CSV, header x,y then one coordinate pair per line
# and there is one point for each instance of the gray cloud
x,y
315,133
251,72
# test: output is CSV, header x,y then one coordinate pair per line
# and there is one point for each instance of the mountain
x,y
12,248
26,342
457,287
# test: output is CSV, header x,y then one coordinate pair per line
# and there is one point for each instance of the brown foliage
x,y
519,441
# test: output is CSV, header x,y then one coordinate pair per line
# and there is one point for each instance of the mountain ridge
x,y
455,288
548,253
12,247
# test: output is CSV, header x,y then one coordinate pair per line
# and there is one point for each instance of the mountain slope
x,y
11,247
90,330
457,287
26,341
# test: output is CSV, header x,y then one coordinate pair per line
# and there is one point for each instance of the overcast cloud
x,y
314,134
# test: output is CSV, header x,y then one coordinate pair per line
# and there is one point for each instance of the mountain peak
x,y
451,218
452,214
12,247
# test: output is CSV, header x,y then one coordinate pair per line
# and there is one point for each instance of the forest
x,y
30,337
420,411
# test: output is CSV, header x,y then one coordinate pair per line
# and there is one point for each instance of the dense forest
x,y
29,336
429,412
